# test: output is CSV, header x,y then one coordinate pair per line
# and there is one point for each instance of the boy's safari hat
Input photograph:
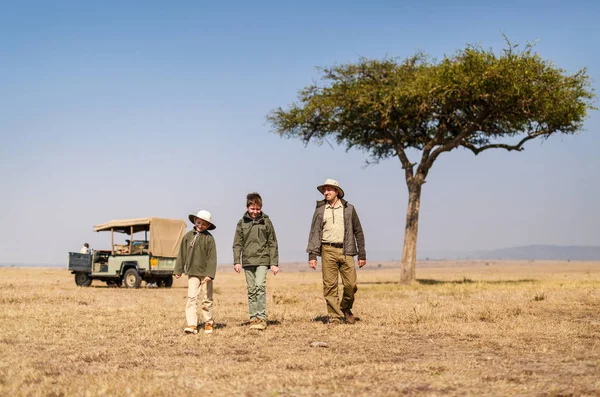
x,y
205,215
333,183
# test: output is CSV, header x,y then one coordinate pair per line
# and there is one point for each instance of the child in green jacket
x,y
255,249
198,259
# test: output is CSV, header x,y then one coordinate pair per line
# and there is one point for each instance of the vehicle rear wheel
x,y
168,282
83,279
132,279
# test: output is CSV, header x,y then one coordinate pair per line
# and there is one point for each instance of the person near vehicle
x,y
337,236
198,259
85,249
255,250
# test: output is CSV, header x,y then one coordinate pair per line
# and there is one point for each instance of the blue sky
x,y
131,109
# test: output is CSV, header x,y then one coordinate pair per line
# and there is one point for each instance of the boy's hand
x,y
237,267
312,263
177,275
362,262
206,279
275,270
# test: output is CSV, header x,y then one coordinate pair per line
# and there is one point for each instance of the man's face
x,y
330,193
254,210
201,224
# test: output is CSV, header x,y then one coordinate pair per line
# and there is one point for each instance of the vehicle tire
x,y
132,279
83,279
168,282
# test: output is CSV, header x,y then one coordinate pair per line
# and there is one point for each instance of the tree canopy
x,y
474,99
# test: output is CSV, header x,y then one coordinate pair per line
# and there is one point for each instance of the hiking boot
x,y
259,324
190,329
350,319
208,328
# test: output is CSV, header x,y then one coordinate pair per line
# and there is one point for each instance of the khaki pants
x,y
205,291
334,262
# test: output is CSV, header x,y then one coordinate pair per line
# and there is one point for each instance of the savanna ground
x,y
465,328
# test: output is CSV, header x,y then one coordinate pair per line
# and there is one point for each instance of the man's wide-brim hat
x,y
205,215
333,183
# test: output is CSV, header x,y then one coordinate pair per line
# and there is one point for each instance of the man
x,y
337,236
85,249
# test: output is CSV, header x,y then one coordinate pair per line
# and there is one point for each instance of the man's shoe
x,y
350,319
208,328
260,324
334,321
190,329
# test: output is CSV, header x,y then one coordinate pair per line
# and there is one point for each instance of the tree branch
x,y
406,164
457,140
518,147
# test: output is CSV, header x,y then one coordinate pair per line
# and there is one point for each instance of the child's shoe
x,y
259,324
190,329
208,328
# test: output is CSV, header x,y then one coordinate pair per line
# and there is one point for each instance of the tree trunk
x,y
409,250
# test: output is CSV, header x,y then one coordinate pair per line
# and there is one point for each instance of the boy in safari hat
x,y
198,259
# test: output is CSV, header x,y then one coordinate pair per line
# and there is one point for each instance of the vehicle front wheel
x,y
168,282
83,279
132,279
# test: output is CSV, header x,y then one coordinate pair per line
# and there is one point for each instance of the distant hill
x,y
527,252
538,252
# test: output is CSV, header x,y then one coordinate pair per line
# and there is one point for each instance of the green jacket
x,y
255,242
354,239
198,259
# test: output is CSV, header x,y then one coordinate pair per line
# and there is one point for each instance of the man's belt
x,y
334,245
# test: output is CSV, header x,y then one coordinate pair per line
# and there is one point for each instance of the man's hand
x,y
362,262
312,263
275,270
177,275
237,267
206,280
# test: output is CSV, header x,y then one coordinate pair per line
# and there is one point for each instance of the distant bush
x,y
539,297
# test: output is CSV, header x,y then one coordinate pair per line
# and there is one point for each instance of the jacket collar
x,y
259,219
321,203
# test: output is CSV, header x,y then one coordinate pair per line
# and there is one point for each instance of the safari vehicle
x,y
151,260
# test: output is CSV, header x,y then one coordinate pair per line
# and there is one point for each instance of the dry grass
x,y
464,329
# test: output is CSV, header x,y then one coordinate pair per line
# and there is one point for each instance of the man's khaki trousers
x,y
205,292
334,262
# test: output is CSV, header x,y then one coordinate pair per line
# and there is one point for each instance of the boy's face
x,y
201,224
254,210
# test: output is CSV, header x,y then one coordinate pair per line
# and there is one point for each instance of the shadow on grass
x,y
377,282
325,319
269,322
426,281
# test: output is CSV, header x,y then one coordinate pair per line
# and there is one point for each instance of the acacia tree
x,y
476,100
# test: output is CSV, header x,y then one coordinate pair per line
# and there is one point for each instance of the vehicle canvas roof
x,y
165,234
